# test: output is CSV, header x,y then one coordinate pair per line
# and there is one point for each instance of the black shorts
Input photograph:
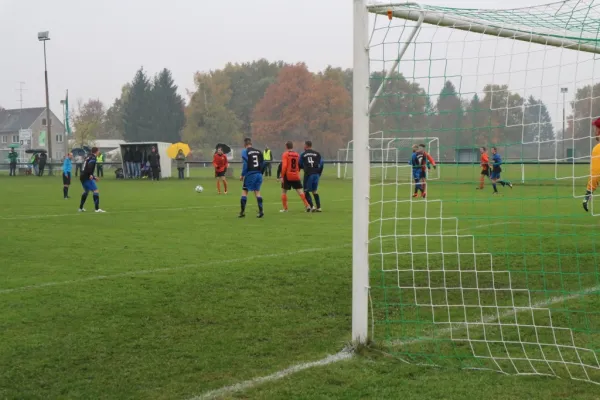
x,y
222,173
66,178
485,172
288,185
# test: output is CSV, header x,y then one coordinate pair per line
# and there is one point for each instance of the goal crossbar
x,y
416,12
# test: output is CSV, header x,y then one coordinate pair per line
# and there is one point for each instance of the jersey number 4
x,y
311,162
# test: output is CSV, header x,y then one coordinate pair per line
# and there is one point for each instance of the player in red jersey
x,y
290,176
220,163
427,163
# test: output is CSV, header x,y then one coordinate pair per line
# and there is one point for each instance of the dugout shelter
x,y
145,148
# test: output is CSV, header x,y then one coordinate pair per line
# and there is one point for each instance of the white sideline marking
x,y
346,354
511,312
342,355
187,266
142,210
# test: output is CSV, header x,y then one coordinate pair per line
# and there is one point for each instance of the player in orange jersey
x,y
427,163
485,167
220,163
290,176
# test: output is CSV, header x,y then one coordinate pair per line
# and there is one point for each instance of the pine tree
x,y
537,121
137,110
168,109
450,117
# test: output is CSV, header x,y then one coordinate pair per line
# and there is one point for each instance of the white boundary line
x,y
151,271
495,317
189,266
238,387
140,211
212,263
346,354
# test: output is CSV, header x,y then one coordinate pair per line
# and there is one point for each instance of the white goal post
x,y
443,292
386,153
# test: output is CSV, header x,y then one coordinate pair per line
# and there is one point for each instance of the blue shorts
x,y
311,183
418,174
495,175
89,185
252,183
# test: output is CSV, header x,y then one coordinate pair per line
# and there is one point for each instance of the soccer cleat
x,y
260,215
478,188
495,193
586,202
283,211
241,215
317,210
81,210
415,195
308,209
100,210
509,185
225,192
424,195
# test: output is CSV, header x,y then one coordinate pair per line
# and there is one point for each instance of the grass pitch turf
x,y
169,295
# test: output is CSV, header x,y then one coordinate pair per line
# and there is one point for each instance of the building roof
x,y
108,143
13,120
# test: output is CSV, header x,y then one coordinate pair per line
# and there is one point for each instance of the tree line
x,y
273,102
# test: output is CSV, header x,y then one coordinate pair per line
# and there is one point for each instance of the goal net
x,y
385,153
505,278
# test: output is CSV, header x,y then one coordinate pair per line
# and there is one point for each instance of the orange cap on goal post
x,y
390,14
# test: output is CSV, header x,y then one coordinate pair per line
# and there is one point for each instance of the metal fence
x,y
520,170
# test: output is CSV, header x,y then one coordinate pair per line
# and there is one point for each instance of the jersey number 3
x,y
255,161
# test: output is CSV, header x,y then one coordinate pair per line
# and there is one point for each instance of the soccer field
x,y
170,296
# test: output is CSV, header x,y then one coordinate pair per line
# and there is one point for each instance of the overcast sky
x,y
96,46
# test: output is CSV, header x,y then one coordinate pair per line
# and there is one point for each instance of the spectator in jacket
x,y
138,161
42,163
100,165
78,164
128,159
12,159
180,160
154,160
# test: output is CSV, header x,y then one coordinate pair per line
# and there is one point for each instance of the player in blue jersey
x,y
312,164
496,170
416,162
88,181
66,174
252,167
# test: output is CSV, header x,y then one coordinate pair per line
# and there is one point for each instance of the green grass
x,y
163,298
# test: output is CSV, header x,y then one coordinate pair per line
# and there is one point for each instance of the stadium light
x,y
44,37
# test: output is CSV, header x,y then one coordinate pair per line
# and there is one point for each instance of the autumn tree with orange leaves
x,y
300,106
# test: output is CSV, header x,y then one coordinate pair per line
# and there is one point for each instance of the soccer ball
x,y
199,189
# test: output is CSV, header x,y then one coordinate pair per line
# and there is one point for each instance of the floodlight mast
x,y
44,37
